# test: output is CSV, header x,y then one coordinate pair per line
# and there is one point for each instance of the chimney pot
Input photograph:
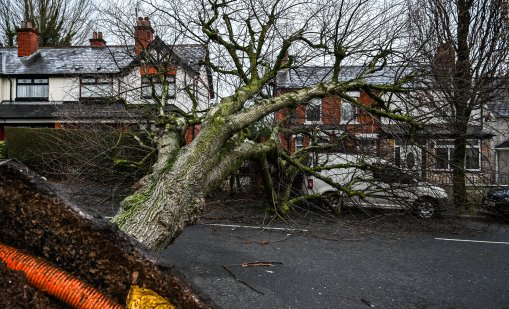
x,y
97,40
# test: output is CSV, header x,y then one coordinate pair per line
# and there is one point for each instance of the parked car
x,y
496,202
382,185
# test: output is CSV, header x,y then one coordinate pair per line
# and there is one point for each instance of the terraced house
x,y
63,86
426,151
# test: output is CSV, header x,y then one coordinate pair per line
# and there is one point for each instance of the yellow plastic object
x,y
142,298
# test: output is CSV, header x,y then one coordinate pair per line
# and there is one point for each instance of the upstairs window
x,y
349,111
30,89
153,85
299,141
314,111
96,87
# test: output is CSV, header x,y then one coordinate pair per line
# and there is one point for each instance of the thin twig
x,y
241,281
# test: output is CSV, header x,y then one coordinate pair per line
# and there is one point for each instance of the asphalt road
x,y
415,270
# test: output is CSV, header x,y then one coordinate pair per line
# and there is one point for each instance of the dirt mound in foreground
x,y
40,221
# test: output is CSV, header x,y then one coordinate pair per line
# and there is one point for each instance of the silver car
x,y
372,182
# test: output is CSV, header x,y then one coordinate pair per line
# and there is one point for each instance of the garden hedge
x,y
92,154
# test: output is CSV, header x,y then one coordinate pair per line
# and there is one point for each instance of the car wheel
x,y
333,202
425,208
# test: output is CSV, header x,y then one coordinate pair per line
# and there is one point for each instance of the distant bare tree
x,y
59,22
461,49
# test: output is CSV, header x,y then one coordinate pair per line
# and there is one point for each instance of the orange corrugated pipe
x,y
55,281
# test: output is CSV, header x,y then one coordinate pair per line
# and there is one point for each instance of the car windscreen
x,y
391,174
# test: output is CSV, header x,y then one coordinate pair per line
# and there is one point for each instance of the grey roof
x,y
500,109
191,55
27,111
300,77
505,144
66,61
86,60
432,130
74,111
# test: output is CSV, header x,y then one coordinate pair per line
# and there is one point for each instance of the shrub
x,y
92,154
3,150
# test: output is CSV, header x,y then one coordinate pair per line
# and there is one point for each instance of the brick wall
x,y
28,42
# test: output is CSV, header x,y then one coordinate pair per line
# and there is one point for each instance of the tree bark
x,y
462,95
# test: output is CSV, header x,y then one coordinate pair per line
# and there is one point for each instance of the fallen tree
x,y
249,43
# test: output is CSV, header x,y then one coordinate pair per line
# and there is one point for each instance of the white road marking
x,y
479,241
256,227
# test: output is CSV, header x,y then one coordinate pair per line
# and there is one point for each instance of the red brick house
x,y
426,151
330,118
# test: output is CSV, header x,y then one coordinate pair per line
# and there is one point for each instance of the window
x,y
299,141
153,82
473,156
32,89
314,111
444,151
408,157
349,111
294,118
443,154
390,174
96,87
442,158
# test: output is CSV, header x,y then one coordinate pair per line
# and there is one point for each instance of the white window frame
x,y
148,81
298,141
444,144
354,119
315,103
473,143
98,87
32,85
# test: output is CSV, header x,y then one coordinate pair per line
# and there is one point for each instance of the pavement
x,y
346,265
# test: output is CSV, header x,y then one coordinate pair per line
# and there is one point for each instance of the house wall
x,y
362,134
426,161
426,106
499,158
60,89
4,89
130,89
64,88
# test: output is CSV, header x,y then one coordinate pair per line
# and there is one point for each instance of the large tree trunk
x,y
172,196
458,172
157,216
462,102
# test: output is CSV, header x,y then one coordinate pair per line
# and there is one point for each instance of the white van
x,y
381,185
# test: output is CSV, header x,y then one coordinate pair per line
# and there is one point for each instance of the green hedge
x,y
3,150
92,154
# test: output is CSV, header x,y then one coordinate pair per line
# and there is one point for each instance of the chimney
x,y
144,34
97,40
28,39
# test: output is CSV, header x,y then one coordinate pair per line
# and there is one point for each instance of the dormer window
x,y
96,87
153,85
32,89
